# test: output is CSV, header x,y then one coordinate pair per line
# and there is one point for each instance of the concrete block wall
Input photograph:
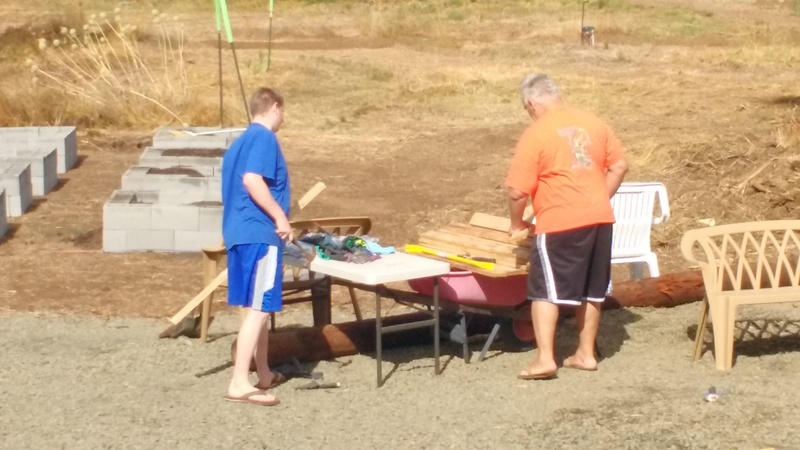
x,y
15,179
63,139
202,178
43,162
212,137
171,200
3,221
181,157
138,221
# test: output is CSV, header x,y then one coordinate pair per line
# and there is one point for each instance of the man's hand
x,y
518,232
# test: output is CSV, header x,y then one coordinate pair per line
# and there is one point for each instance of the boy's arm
x,y
259,192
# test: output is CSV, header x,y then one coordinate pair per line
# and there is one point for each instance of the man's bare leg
x,y
249,334
544,315
588,319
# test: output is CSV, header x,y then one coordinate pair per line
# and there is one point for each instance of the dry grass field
x,y
407,110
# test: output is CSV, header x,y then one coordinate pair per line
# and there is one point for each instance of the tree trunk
x,y
665,291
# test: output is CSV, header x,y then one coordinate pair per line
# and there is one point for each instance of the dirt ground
x,y
412,123
78,382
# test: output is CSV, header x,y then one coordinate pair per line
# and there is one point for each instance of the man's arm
x,y
517,200
614,175
259,192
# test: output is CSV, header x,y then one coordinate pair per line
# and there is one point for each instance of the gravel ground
x,y
84,383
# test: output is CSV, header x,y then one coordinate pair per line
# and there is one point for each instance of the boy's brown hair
x,y
263,99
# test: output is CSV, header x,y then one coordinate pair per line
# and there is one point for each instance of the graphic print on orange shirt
x,y
579,142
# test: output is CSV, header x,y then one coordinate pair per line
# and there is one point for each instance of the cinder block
x,y
63,139
175,217
142,221
156,240
44,166
184,138
3,220
210,218
138,178
15,179
188,197
115,241
188,157
124,211
193,241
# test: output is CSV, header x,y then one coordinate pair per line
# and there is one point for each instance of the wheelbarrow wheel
x,y
516,336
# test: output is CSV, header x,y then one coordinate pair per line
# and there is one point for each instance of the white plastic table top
x,y
387,269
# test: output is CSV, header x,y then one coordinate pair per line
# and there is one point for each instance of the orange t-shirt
x,y
561,162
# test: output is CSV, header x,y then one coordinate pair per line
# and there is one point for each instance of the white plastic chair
x,y
633,209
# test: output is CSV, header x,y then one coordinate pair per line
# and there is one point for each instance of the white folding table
x,y
373,275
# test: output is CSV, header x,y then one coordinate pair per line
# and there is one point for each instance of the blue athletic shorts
x,y
255,277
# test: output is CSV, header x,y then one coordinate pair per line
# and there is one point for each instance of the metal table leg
x,y
436,324
378,334
380,329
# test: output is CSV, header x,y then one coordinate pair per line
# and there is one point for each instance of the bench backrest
x,y
751,255
633,206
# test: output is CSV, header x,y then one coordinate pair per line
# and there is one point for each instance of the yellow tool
x,y
410,248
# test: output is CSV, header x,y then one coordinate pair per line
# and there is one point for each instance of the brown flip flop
x,y
539,376
277,380
248,398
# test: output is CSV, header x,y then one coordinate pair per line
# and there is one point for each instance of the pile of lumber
x,y
485,236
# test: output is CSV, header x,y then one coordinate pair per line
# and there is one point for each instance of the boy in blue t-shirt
x,y
255,225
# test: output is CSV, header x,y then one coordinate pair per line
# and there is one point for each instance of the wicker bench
x,y
742,264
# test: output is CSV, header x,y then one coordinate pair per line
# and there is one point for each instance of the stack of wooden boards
x,y
485,236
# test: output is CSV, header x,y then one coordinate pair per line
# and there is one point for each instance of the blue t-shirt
x,y
255,151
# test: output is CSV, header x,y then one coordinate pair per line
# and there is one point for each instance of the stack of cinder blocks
x,y
30,160
172,200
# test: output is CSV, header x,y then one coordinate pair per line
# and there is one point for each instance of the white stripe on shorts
x,y
265,276
549,279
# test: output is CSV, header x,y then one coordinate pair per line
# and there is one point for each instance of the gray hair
x,y
538,87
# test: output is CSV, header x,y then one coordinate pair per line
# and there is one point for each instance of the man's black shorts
x,y
568,267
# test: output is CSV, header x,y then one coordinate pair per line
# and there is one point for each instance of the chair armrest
x,y
663,205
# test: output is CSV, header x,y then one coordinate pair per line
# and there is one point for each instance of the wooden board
x,y
458,250
498,223
498,272
484,233
459,239
311,194
506,254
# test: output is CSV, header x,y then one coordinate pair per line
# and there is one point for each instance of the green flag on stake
x,y
218,14
269,45
227,21
223,9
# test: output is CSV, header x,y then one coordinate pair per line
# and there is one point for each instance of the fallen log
x,y
348,338
341,339
666,291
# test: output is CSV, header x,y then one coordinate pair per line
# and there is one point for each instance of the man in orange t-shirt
x,y
570,163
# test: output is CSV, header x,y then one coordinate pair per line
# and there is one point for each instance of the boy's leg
x,y
266,377
271,301
247,279
249,334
